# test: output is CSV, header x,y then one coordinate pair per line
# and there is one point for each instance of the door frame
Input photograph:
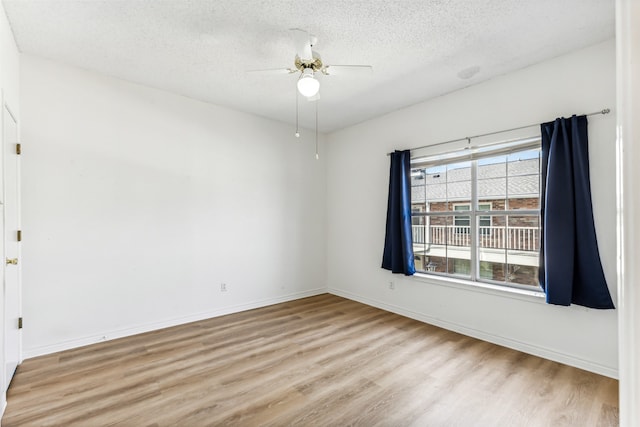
x,y
5,106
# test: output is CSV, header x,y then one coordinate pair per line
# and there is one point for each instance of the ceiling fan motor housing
x,y
315,64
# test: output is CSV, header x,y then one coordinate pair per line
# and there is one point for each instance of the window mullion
x,y
473,226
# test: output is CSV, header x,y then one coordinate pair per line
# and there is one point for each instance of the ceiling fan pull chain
x,y
317,156
297,127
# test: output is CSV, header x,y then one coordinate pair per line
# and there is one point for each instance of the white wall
x,y
138,204
9,65
357,172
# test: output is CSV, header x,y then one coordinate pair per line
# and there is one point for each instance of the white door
x,y
11,245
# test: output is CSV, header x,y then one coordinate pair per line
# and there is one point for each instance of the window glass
x,y
523,176
495,228
492,180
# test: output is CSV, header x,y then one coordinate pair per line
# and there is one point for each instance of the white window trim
x,y
534,295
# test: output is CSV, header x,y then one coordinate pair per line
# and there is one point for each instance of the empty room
x,y
329,213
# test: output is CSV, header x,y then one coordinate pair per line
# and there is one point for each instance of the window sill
x,y
535,296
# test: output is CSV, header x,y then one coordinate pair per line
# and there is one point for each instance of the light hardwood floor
x,y
320,361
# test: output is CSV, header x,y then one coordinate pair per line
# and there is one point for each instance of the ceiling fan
x,y
308,62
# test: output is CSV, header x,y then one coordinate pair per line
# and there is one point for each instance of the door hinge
x,y
18,149
19,235
19,322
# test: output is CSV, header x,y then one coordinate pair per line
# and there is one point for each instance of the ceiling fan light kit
x,y
308,85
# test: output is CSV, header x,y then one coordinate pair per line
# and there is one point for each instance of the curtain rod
x,y
604,111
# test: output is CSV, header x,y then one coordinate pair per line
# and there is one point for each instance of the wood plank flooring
x,y
319,361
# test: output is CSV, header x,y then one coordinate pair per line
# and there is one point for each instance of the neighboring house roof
x,y
454,184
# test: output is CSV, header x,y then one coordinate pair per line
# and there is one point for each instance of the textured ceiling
x,y
202,48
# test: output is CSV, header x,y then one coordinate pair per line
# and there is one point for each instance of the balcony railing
x,y
517,238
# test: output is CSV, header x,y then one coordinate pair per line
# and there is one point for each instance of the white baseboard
x,y
3,406
147,327
543,352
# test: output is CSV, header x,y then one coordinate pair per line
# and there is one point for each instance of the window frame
x,y
476,214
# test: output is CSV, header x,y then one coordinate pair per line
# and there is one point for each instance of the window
x,y
463,221
477,216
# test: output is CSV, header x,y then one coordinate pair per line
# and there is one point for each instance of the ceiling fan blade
x,y
274,71
302,41
346,69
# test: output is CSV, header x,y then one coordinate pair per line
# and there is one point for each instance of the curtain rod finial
x,y
606,111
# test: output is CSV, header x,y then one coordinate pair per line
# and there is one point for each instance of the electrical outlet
x,y
223,287
392,285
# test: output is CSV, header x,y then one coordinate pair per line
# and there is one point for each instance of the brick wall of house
x,y
529,203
